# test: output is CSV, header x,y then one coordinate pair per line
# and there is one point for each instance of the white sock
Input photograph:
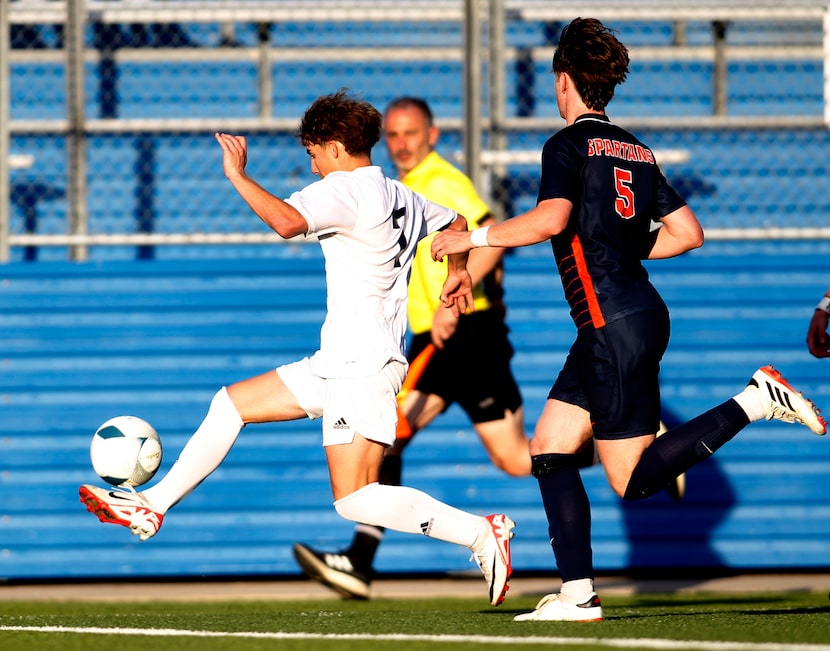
x,y
754,403
412,511
202,454
577,591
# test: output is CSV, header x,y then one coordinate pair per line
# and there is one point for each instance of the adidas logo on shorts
x,y
341,424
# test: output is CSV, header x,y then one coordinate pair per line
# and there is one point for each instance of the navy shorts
x,y
473,368
612,372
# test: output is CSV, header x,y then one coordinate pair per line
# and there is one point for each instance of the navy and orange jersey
x,y
618,194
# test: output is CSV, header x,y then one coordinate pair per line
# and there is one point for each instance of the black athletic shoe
x,y
334,570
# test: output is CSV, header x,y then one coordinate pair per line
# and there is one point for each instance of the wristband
x,y
823,304
478,236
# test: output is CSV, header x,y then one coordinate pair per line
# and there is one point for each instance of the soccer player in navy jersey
x,y
605,206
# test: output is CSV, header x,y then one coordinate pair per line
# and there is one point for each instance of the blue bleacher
x,y
82,342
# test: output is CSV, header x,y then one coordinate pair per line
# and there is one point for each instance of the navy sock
x,y
568,512
682,447
391,470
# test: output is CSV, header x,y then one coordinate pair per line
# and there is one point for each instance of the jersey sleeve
x,y
436,216
667,198
324,207
560,172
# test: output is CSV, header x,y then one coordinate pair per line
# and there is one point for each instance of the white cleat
x,y
557,608
786,403
127,508
494,557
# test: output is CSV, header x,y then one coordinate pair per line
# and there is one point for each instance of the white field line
x,y
618,643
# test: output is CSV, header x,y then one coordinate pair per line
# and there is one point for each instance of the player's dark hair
x,y
411,102
594,58
340,117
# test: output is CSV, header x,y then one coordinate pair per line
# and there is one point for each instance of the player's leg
x,y
560,436
349,571
640,468
421,353
354,460
506,442
768,395
484,387
607,389
262,398
412,511
676,488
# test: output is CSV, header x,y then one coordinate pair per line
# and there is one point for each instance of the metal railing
x,y
478,121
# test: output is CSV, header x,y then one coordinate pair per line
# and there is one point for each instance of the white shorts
x,y
349,406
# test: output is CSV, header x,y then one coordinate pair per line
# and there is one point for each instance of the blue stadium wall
x,y
84,342
156,337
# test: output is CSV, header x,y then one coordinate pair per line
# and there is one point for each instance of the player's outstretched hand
x,y
234,153
450,241
817,339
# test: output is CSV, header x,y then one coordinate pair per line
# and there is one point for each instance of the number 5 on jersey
x,y
624,203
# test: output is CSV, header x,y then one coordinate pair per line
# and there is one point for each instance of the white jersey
x,y
368,226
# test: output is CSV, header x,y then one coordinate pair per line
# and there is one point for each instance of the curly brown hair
x,y
343,118
594,58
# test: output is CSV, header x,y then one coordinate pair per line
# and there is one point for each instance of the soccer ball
x,y
126,451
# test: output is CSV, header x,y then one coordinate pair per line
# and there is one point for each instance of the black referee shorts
x,y
473,368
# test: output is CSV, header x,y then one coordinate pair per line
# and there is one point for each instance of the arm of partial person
x,y
484,260
276,213
818,340
548,218
680,232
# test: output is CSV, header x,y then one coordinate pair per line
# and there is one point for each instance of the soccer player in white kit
x,y
368,227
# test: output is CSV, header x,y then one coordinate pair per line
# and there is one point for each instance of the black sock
x,y
568,511
682,447
363,549
391,470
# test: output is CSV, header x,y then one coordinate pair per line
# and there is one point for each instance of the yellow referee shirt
x,y
441,182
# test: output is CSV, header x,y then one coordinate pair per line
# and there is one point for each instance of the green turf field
x,y
709,622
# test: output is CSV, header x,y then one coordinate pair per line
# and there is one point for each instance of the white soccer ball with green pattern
x,y
126,451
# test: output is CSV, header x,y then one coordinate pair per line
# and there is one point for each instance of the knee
x,y
620,483
512,457
546,464
515,466
359,505
223,406
622,491
349,507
